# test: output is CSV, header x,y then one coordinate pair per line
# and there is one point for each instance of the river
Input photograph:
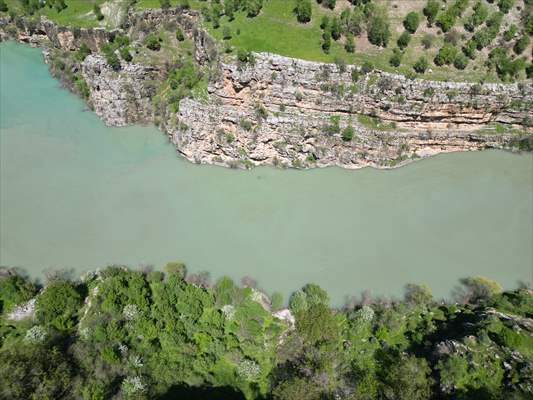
x,y
79,195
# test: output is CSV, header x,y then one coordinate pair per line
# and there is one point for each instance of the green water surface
x,y
77,194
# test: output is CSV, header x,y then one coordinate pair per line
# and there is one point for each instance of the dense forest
x,y
120,333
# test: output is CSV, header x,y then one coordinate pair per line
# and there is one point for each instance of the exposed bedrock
x,y
294,113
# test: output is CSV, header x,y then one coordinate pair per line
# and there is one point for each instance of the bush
x,y
14,290
326,41
226,33
521,44
506,5
58,305
421,65
403,40
427,41
446,21
479,16
180,37
125,54
479,288
245,57
367,67
347,134
379,31
153,42
411,21
335,29
164,3
431,10
98,12
396,58
510,33
446,55
461,61
349,46
3,6
469,49
83,52
303,11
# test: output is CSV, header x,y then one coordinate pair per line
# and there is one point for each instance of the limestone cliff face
x,y
283,111
122,97
288,112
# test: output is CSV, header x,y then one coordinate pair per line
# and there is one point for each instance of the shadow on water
x,y
201,393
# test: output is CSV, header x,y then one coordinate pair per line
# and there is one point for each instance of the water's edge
x,y
77,194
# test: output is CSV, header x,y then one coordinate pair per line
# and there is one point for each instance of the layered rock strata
x,y
293,113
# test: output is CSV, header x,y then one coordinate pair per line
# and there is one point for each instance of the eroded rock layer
x,y
287,112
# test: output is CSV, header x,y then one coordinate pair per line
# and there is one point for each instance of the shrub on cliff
x,y
303,11
3,6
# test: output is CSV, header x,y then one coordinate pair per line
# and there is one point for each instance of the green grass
x,y
374,123
79,13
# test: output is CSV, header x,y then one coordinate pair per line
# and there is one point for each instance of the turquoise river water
x,y
77,194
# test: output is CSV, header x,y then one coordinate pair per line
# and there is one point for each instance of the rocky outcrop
x,y
122,97
293,113
290,112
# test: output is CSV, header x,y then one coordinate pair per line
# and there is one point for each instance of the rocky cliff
x,y
289,112
281,111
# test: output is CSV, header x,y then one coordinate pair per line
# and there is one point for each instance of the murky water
x,y
76,194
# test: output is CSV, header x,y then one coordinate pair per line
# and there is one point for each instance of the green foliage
x,y
411,21
58,305
407,379
506,5
348,134
404,40
303,11
418,294
14,290
34,372
521,44
153,41
479,288
379,31
431,10
3,6
421,65
179,35
144,335
481,12
396,58
83,52
98,12
461,61
446,55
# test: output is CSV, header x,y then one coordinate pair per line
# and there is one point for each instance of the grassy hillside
x,y
475,40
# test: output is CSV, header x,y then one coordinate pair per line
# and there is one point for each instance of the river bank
x,y
280,111
77,194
